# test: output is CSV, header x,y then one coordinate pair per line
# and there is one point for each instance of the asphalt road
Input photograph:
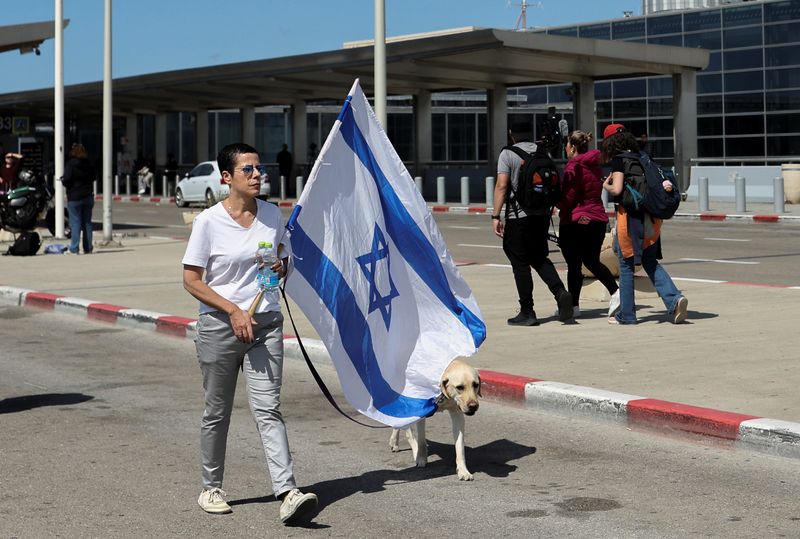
x,y
762,253
99,439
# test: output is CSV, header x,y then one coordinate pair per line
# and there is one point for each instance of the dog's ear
x,y
480,384
444,388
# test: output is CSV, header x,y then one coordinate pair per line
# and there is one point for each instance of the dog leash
x,y
315,374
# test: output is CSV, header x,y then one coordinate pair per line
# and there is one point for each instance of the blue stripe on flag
x,y
409,239
326,279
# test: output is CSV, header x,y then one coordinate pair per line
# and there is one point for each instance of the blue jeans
x,y
661,280
80,221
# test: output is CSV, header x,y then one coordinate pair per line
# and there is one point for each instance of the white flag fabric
x,y
372,273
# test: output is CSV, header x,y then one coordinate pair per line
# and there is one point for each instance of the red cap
x,y
613,128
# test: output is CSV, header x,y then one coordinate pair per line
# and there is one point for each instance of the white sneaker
x,y
576,312
212,501
613,304
296,504
679,315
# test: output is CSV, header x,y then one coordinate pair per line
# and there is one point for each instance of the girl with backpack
x,y
583,220
637,239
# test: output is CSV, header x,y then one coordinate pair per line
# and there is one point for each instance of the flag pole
x,y
380,61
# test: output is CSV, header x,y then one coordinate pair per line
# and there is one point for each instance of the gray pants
x,y
221,356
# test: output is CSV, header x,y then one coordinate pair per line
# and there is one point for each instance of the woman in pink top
x,y
583,219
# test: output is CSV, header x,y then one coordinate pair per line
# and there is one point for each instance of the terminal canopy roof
x,y
26,37
474,59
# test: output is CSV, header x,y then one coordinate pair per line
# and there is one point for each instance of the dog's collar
x,y
440,399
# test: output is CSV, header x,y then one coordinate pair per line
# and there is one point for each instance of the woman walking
x,y
583,220
638,236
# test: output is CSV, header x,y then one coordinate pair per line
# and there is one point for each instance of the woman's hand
x,y
242,324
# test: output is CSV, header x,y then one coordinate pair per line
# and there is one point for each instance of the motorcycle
x,y
32,200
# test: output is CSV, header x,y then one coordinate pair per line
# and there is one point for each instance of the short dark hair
x,y
226,158
522,131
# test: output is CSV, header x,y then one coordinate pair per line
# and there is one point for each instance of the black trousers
x,y
580,245
525,245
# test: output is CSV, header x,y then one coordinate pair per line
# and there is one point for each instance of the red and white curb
x,y
770,435
482,210
138,199
753,432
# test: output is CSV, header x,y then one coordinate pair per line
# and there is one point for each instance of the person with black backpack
x,y
638,232
528,186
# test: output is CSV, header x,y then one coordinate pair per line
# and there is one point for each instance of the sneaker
x,y
565,309
679,314
213,501
576,312
613,304
296,504
524,318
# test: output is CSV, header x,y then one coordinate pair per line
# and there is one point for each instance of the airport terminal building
x,y
451,96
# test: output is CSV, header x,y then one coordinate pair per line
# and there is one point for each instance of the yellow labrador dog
x,y
461,387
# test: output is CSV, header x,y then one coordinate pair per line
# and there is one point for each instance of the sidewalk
x,y
732,365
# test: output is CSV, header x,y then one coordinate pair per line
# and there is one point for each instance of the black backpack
x,y
26,244
538,184
644,188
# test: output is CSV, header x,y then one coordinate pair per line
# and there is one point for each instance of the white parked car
x,y
204,184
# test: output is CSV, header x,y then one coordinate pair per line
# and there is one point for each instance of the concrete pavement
x,y
730,372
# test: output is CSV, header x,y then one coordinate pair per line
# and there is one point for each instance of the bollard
x,y
418,183
128,184
465,190
152,188
440,198
741,195
283,188
778,197
604,198
702,192
299,181
94,186
164,186
489,191
116,184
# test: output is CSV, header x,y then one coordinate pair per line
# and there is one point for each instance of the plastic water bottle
x,y
265,258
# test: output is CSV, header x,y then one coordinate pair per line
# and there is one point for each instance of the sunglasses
x,y
248,169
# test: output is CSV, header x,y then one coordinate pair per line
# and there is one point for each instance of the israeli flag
x,y
373,275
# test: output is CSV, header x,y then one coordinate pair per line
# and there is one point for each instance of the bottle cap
x,y
263,244
267,244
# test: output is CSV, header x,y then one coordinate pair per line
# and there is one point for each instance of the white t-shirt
x,y
227,252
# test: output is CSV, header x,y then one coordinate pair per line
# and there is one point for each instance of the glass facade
x,y
748,99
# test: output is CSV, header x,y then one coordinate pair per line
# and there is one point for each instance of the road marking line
x,y
689,279
151,225
482,246
750,263
724,239
498,265
465,227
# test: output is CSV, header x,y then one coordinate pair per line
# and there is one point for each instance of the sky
x,y
151,36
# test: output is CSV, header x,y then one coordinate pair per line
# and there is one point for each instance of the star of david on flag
x,y
373,275
369,265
